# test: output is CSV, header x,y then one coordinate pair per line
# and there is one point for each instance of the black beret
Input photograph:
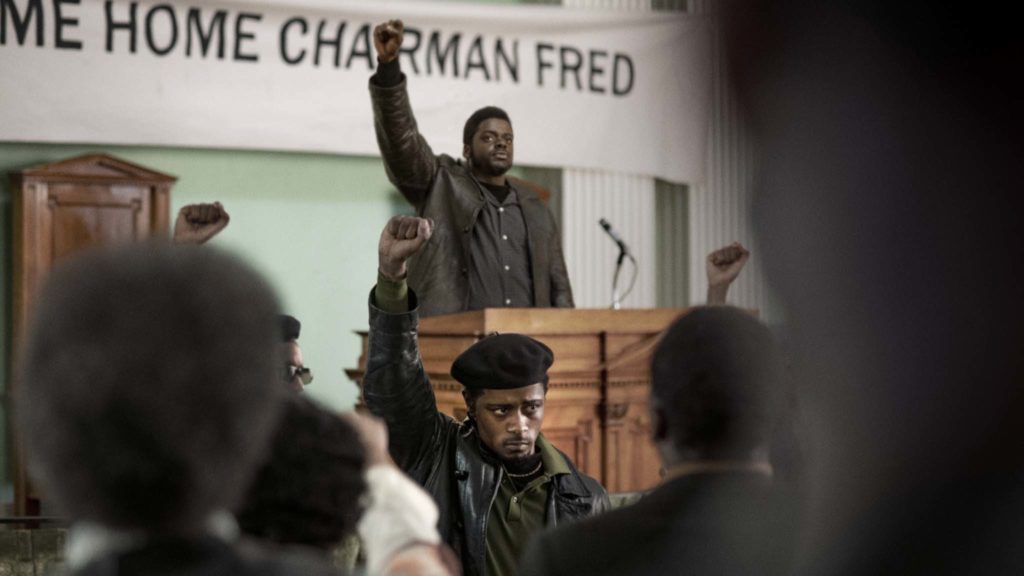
x,y
290,328
503,361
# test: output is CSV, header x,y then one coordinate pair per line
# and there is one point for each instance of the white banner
x,y
622,91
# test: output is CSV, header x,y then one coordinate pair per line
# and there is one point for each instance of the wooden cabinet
x,y
67,206
599,386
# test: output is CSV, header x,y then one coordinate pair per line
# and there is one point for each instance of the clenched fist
x,y
402,237
197,223
723,266
387,39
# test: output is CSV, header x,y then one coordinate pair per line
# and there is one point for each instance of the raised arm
x,y
408,159
197,223
723,266
395,386
399,526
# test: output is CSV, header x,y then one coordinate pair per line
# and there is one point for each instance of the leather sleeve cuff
x,y
385,322
388,75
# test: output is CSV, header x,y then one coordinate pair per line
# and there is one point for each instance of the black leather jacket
x,y
441,188
445,456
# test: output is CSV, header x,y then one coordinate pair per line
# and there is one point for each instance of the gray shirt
x,y
499,255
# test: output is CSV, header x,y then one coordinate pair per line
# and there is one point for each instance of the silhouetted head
x,y
308,491
148,386
714,384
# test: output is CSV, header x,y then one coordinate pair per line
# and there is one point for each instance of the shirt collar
x,y
554,462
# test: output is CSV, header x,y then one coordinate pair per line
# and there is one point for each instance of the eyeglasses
x,y
292,371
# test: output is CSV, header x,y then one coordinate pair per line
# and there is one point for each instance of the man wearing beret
x,y
495,477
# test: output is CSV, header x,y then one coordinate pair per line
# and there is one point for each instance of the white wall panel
x,y
627,202
719,211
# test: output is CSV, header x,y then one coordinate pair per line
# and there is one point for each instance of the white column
x,y
627,202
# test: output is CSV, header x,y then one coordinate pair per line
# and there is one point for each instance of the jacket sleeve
x,y
408,159
396,388
602,503
561,291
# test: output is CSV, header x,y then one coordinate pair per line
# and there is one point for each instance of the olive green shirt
x,y
390,295
516,515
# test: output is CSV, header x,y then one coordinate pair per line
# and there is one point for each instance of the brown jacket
x,y
442,188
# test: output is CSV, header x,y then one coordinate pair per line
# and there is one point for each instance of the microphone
x,y
613,235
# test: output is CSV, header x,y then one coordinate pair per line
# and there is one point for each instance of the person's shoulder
x,y
451,164
593,486
577,479
258,558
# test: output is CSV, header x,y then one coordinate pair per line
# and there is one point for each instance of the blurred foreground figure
x,y
147,393
888,204
198,224
309,490
326,472
715,392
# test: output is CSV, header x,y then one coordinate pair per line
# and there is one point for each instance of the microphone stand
x,y
616,297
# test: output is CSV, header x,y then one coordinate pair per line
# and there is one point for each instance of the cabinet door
x,y
83,215
62,208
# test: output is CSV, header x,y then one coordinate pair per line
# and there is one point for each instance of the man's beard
x,y
487,167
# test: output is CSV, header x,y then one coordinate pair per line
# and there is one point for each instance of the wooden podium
x,y
597,403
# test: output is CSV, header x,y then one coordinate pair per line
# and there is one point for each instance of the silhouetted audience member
x,y
294,372
310,488
147,395
889,206
715,380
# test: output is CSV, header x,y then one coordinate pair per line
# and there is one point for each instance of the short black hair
x,y
716,376
148,388
290,328
478,117
309,490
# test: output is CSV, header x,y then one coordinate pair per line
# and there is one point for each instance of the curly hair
x,y
147,390
309,490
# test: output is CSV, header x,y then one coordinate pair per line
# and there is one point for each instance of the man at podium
x,y
495,478
496,243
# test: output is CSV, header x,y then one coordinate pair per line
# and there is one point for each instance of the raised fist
x,y
723,266
387,39
402,237
197,223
